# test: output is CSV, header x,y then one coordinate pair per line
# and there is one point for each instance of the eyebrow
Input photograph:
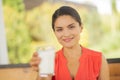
x,y
67,26
70,24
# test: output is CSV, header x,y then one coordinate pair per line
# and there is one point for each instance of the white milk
x,y
47,56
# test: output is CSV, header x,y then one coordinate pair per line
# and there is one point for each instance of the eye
x,y
58,30
71,27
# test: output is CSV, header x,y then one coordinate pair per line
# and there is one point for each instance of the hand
x,y
35,61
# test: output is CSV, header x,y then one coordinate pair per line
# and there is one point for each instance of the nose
x,y
66,33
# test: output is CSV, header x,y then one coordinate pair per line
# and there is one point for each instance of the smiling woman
x,y
73,61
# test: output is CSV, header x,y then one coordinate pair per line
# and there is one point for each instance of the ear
x,y
81,28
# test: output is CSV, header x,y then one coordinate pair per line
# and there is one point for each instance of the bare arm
x,y
104,72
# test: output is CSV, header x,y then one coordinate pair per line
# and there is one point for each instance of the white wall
x,y
3,45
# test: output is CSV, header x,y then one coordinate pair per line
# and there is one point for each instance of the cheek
x,y
58,36
76,32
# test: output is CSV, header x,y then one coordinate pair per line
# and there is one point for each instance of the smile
x,y
67,39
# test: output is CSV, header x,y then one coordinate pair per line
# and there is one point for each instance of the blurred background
x,y
28,26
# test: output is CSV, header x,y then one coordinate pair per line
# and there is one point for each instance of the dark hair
x,y
66,10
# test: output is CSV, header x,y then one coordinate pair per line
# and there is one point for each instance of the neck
x,y
73,51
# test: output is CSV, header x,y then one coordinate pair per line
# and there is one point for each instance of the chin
x,y
68,45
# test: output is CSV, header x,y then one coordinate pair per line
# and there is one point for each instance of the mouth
x,y
67,39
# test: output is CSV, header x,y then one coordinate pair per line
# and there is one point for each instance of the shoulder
x,y
93,56
58,53
91,52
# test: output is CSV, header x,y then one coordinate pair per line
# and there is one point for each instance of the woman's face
x,y
67,31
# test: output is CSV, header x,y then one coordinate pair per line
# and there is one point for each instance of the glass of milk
x,y
47,55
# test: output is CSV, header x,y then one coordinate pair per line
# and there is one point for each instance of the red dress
x,y
89,69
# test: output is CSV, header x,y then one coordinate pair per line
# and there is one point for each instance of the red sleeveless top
x,y
89,69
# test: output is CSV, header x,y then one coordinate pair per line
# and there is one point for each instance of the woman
x,y
73,61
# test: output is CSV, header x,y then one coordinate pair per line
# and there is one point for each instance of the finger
x,y
35,54
35,68
35,59
35,63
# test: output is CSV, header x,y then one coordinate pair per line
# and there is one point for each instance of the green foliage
x,y
18,39
110,43
16,4
93,24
